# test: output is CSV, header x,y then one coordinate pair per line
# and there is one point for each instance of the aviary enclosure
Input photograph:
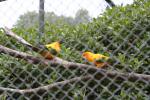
x,y
45,56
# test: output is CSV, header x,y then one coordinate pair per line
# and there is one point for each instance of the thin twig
x,y
47,87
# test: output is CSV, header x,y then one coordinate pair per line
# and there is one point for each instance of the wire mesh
x,y
82,57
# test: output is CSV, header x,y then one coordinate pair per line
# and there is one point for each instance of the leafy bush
x,y
123,33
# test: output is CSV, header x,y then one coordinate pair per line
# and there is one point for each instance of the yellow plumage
x,y
54,46
53,49
94,58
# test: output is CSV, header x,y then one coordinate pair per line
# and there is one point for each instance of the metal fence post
x,y
2,0
111,3
41,18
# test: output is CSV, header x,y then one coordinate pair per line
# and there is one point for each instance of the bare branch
x,y
8,32
38,60
21,40
76,79
45,53
22,55
58,61
47,87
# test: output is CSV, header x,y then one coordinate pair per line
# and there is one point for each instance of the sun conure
x,y
98,60
48,51
54,47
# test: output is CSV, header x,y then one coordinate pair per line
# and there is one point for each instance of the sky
x,y
10,10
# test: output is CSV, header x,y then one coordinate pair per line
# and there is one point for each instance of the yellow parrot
x,y
54,46
48,51
97,59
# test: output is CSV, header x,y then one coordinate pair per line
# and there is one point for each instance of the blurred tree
x,y
30,19
82,16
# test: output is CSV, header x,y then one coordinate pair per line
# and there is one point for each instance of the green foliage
x,y
121,32
79,94
3,97
126,96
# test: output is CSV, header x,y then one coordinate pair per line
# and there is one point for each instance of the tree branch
x,y
47,87
58,61
22,55
38,60
8,32
45,53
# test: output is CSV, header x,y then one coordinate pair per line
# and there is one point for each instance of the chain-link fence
x,y
49,56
